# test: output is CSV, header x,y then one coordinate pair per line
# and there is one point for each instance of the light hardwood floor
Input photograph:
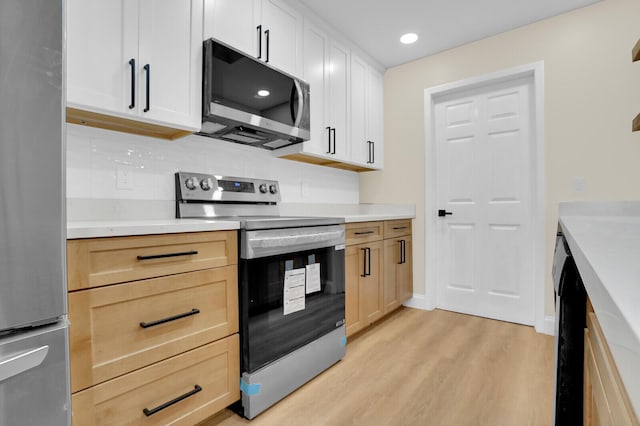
x,y
426,368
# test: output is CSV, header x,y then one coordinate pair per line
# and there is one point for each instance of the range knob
x,y
263,188
191,183
205,184
273,189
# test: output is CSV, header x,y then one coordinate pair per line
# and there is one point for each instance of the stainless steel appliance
x,y
34,379
247,101
571,313
291,284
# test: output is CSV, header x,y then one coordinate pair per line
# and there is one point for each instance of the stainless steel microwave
x,y
248,101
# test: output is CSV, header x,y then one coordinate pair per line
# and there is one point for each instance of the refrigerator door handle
x,y
21,362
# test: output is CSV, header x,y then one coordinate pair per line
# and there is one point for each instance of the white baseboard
x,y
418,301
548,326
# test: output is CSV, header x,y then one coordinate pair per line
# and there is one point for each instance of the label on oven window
x,y
340,247
293,294
313,278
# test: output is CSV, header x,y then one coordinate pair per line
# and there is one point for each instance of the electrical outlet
x,y
579,184
124,177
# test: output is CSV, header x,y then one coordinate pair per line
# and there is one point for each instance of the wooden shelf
x,y
635,53
636,124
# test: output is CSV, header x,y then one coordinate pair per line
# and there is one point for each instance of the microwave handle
x,y
296,116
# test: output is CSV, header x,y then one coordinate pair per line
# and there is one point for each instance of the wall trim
x,y
418,301
535,71
548,326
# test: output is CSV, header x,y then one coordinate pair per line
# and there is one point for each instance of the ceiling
x,y
376,26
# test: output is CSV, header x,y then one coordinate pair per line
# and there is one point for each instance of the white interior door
x,y
484,154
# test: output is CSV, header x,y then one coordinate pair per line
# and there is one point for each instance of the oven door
x,y
291,290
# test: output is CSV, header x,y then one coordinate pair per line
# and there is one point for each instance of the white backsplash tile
x,y
94,156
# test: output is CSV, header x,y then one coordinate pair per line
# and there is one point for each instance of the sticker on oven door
x,y
293,294
313,278
340,247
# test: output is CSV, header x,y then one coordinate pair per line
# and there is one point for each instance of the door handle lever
x,y
442,213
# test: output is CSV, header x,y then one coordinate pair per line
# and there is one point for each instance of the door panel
x,y
483,177
233,22
315,72
285,29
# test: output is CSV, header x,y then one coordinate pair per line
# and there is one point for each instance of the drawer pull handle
x,y
398,228
162,256
364,233
169,319
151,412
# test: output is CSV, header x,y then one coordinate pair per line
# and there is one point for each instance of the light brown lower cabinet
x,y
605,399
398,272
182,390
379,274
364,274
153,328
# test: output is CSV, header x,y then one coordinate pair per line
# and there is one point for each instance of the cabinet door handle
x,y
363,233
400,252
364,262
333,130
259,28
329,135
162,256
398,228
368,261
266,36
404,251
368,152
373,152
147,68
194,311
150,412
132,63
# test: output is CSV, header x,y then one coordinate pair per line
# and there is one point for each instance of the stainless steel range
x,y
291,281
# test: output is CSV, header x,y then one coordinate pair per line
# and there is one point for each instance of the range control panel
x,y
214,188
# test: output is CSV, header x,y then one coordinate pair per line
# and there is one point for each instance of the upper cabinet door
x,y
375,128
102,37
360,148
170,67
234,22
281,36
314,72
338,75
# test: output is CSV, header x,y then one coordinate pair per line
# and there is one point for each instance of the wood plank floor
x,y
426,368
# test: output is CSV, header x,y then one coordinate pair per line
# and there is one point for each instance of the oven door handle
x,y
262,243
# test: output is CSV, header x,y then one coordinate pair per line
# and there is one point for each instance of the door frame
x,y
535,73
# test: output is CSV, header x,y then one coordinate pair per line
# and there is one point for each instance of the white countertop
x,y
604,239
118,228
106,226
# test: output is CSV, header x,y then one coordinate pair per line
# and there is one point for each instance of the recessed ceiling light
x,y
263,93
409,38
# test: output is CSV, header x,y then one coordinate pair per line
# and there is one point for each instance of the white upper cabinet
x,y
375,117
269,30
136,59
338,100
233,22
366,114
98,52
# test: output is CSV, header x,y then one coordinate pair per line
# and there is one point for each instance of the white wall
x,y
592,92
94,156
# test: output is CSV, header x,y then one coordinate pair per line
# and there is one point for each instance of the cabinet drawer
x,y
363,232
112,328
101,261
397,228
213,368
600,412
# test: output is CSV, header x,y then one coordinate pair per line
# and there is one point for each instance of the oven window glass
x,y
266,333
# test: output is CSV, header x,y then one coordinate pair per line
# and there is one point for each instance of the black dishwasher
x,y
570,301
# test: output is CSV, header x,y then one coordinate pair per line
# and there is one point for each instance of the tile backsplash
x,y
102,164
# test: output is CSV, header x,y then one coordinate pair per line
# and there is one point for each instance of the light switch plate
x,y
579,184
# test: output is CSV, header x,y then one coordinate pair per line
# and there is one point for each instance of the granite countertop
x,y
131,220
604,239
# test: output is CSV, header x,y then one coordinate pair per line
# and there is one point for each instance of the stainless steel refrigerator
x,y
34,378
